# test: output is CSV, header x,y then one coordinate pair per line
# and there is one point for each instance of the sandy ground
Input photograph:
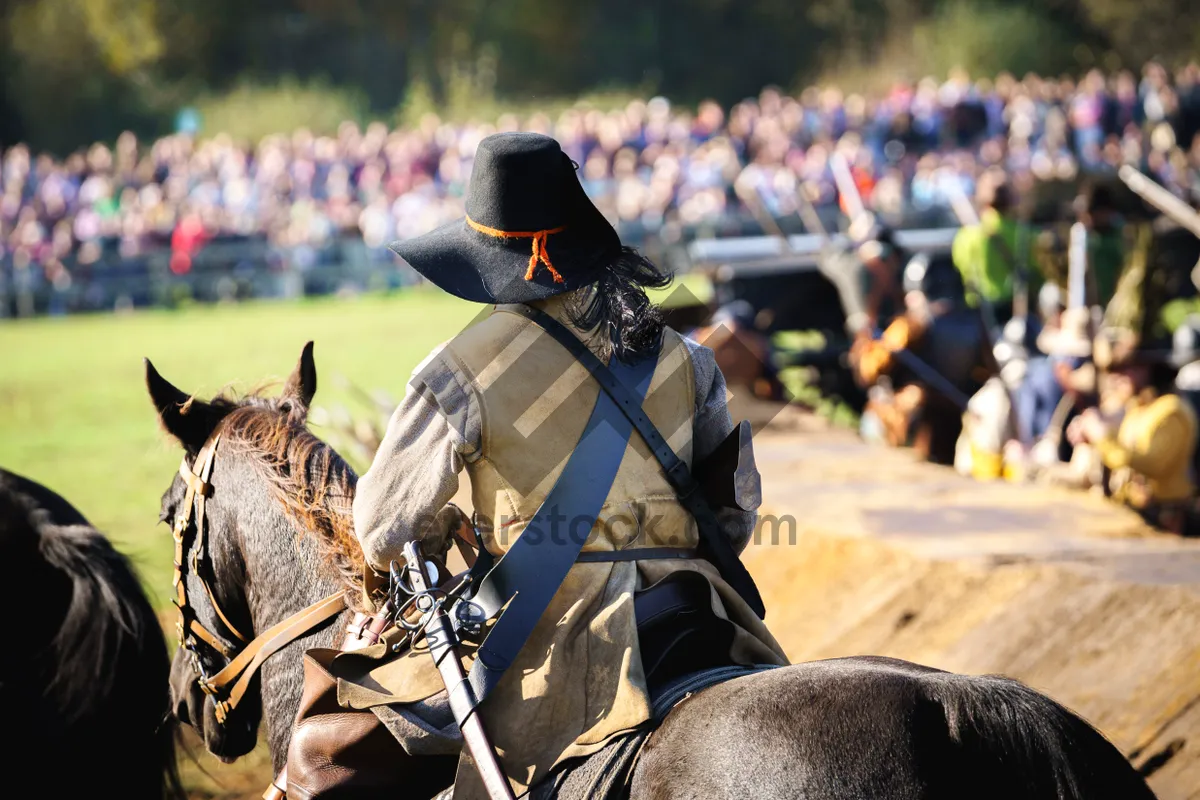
x,y
1059,589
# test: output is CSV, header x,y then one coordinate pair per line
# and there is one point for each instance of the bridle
x,y
243,659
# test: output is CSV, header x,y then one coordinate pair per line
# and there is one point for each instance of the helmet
x,y
935,278
1050,300
736,312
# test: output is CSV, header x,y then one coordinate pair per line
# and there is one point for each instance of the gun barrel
x,y
441,640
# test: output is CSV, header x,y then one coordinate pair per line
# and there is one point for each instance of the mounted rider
x,y
510,404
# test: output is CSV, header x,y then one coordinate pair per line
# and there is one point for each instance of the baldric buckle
x,y
680,477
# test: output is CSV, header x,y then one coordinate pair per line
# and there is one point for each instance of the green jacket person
x,y
989,254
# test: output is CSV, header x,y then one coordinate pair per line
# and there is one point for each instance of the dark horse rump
x,y
880,728
85,676
864,728
848,729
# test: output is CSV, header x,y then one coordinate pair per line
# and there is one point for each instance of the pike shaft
x,y
846,186
1160,198
1077,263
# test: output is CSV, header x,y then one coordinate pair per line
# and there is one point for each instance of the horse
x,y
84,685
279,541
841,728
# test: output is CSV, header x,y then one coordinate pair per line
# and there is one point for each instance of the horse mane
x,y
108,630
309,479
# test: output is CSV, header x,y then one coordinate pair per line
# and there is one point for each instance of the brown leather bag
x,y
338,752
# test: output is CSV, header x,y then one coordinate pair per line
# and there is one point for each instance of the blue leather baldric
x,y
533,569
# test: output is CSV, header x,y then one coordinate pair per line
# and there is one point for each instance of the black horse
x,y
83,680
845,728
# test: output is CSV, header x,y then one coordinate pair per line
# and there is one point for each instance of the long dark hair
x,y
617,309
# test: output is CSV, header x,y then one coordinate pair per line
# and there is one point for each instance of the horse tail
x,y
105,671
1015,742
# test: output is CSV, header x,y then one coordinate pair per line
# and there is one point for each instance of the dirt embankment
x,y
1060,590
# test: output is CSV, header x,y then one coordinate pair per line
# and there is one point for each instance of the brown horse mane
x,y
309,479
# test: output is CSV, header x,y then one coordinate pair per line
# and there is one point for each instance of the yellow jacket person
x,y
1150,451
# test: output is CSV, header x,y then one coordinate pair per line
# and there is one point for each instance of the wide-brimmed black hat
x,y
530,231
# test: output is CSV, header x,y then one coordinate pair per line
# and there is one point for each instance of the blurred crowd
x,y
916,147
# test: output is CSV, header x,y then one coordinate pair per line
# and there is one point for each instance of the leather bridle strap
x,y
194,500
241,670
198,485
229,684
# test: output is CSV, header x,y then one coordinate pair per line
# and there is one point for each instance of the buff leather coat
x,y
578,681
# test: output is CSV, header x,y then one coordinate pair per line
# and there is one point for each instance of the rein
x,y
228,685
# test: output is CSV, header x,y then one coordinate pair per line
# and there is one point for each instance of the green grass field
x,y
75,416
74,413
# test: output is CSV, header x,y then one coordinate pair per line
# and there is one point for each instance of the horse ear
x,y
302,384
189,420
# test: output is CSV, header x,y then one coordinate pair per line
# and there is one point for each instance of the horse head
x,y
263,532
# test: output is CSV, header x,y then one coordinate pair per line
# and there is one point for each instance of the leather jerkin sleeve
x,y
430,436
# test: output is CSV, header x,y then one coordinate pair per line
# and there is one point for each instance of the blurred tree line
x,y
75,71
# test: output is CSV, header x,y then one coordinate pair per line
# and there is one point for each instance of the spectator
x,y
649,165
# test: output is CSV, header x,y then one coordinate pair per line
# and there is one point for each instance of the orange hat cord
x,y
539,245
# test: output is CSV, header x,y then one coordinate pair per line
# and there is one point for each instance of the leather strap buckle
x,y
680,477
